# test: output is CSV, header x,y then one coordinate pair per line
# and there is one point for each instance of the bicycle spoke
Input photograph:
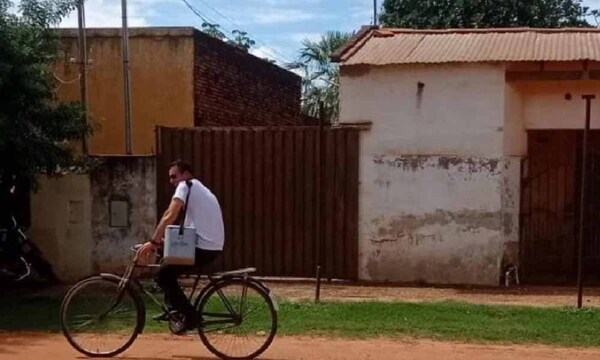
x,y
254,323
100,319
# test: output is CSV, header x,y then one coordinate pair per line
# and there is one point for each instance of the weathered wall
x,y
515,148
235,88
161,66
432,170
545,106
71,216
456,103
515,135
129,179
435,219
61,213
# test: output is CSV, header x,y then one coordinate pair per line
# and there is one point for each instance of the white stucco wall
x,y
432,170
458,102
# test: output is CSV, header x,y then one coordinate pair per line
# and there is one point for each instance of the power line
x,y
230,21
196,12
208,20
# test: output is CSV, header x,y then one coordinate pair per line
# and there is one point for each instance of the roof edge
x,y
488,30
172,31
362,33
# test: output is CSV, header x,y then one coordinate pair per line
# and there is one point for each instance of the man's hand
x,y
146,250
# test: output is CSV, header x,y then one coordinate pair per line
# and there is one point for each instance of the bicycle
x,y
102,315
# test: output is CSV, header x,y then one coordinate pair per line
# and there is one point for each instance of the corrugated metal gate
x,y
550,198
289,194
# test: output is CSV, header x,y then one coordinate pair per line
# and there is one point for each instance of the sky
x,y
277,26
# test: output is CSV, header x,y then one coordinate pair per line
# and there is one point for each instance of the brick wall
x,y
236,88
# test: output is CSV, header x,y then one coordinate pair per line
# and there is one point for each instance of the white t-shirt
x,y
204,214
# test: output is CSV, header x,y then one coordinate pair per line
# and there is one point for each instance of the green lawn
x,y
440,321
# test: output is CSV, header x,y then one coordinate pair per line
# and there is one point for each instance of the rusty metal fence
x,y
289,194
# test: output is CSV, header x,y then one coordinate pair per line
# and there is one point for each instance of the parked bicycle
x,y
102,315
21,259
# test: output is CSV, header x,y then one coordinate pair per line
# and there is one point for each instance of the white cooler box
x,y
180,249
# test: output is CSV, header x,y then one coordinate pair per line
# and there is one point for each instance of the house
x,y
473,159
180,77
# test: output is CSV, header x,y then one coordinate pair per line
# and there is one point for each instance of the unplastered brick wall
x,y
236,88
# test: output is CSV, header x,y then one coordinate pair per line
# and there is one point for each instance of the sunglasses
x,y
172,177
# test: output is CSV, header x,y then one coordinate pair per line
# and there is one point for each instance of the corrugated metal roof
x,y
402,46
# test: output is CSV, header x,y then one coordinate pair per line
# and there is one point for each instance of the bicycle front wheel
x,y
101,319
239,320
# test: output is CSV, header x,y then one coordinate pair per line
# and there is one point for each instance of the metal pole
x,y
318,291
320,200
126,85
582,202
83,68
375,12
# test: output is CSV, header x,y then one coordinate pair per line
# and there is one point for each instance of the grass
x,y
439,321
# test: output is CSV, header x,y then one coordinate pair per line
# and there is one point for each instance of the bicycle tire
x,y
97,281
264,295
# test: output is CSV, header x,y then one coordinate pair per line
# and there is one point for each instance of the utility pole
x,y
126,85
375,12
583,208
83,61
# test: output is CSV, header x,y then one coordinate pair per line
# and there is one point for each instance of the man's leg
x,y
204,258
166,278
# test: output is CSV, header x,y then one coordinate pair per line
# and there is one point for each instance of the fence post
x,y
320,199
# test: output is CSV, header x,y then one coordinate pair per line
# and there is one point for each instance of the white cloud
x,y
363,13
301,36
594,4
285,2
264,52
107,13
279,16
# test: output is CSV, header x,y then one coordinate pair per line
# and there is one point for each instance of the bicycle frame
x,y
233,316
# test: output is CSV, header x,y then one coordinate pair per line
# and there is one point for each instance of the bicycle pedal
x,y
164,316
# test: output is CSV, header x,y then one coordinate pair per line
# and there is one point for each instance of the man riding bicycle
x,y
204,214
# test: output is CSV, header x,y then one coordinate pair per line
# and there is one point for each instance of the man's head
x,y
179,171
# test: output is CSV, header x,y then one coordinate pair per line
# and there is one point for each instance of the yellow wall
x,y
161,85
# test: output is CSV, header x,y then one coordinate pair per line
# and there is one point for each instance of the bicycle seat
x,y
243,271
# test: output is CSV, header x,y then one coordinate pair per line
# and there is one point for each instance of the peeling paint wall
x,y
434,219
70,217
439,191
127,179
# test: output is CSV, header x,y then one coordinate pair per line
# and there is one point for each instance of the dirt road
x,y
165,347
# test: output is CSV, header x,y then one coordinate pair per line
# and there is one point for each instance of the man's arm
x,y
168,218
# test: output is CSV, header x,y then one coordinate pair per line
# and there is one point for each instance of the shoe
x,y
165,316
179,325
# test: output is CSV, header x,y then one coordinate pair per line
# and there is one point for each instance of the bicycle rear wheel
x,y
239,320
100,319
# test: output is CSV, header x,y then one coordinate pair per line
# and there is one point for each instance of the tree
x,y
35,129
320,85
213,30
436,14
240,40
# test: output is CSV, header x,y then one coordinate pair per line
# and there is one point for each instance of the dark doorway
x,y
550,195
